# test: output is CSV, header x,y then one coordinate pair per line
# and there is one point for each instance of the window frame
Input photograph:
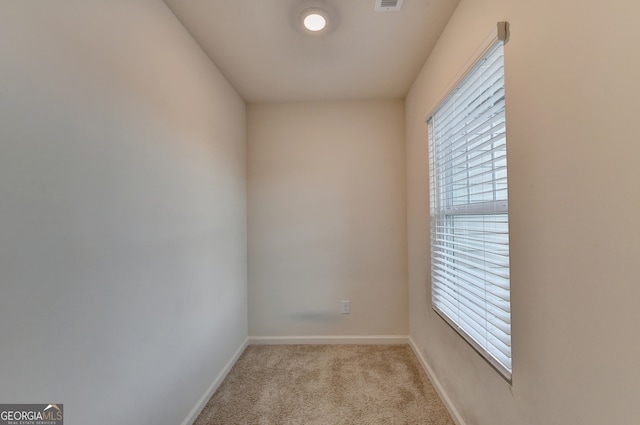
x,y
493,208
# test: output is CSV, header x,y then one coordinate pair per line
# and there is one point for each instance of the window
x,y
469,210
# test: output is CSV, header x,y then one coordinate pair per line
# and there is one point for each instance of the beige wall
x,y
122,212
327,219
572,98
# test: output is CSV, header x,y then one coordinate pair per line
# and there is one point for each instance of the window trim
x,y
500,33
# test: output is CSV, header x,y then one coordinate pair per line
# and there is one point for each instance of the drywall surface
x,y
122,212
327,218
572,91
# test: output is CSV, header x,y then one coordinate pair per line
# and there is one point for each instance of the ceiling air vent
x,y
387,5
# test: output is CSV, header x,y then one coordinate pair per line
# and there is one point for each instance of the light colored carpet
x,y
325,385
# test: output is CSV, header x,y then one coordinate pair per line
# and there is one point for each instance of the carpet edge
x,y
436,384
200,405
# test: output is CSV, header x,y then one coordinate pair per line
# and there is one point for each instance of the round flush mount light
x,y
314,19
315,22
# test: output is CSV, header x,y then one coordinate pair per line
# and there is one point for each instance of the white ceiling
x,y
264,53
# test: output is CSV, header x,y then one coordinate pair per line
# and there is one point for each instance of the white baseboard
x,y
455,415
193,414
326,339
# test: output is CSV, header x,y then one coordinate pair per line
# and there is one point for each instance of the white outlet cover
x,y
346,307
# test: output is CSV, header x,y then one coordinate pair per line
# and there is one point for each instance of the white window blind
x,y
469,210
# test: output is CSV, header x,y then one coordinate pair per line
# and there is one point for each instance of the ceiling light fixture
x,y
314,19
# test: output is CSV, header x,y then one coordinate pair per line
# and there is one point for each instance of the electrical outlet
x,y
346,307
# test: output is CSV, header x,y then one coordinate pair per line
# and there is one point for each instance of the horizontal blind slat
x,y
487,115
470,90
499,302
